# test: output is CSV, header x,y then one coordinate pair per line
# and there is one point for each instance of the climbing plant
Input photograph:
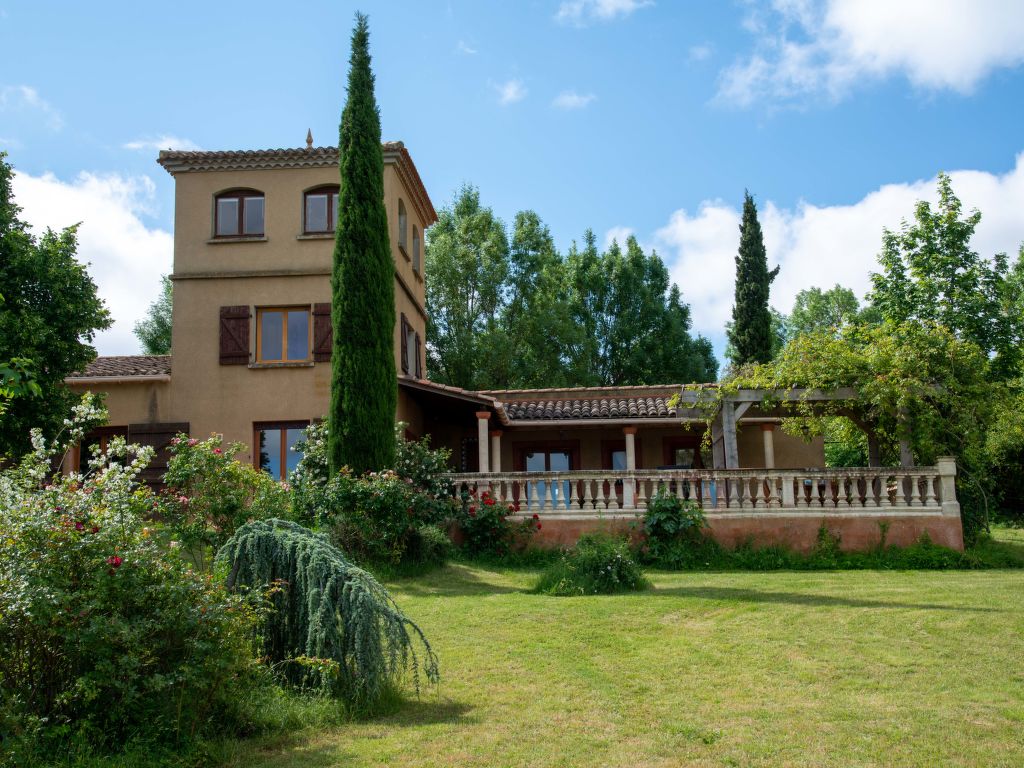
x,y
333,626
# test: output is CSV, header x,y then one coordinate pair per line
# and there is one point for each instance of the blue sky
x,y
618,115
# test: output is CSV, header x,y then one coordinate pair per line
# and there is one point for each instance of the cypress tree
x,y
751,336
364,388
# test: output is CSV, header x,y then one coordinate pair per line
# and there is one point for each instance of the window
x,y
320,210
415,250
547,457
98,437
275,447
283,335
402,223
239,214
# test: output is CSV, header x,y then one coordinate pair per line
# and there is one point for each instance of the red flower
x,y
538,526
114,561
95,529
516,506
472,511
536,516
79,526
217,451
489,501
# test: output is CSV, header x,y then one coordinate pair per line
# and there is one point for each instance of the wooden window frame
x,y
284,333
403,228
520,449
331,190
417,250
283,426
241,195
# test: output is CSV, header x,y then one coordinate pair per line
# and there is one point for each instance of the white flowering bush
x,y
106,636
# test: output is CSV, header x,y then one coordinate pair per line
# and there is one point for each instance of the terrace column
x,y
482,439
947,485
495,450
768,433
629,487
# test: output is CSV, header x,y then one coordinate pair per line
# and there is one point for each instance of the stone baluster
x,y
573,501
534,496
641,493
788,499
930,500
915,491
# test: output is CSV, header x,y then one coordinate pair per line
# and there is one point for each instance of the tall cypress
x,y
750,336
364,388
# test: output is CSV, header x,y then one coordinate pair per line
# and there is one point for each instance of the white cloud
x,y
163,141
511,91
618,235
581,12
810,48
572,100
701,52
125,257
466,48
823,245
24,99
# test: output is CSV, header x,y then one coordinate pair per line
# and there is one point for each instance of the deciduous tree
x,y
154,330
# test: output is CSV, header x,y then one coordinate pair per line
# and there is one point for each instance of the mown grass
x,y
861,668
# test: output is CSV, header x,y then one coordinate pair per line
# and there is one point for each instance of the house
x,y
252,340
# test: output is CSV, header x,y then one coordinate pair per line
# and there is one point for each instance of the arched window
x,y
238,213
320,210
415,250
402,225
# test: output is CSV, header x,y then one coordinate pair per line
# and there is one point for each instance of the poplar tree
x,y
751,337
364,388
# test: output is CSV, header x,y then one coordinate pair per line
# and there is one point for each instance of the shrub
x,y
209,494
599,564
671,526
333,627
107,637
429,546
487,527
378,517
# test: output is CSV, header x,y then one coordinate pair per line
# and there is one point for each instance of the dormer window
x,y
403,223
320,210
415,250
239,214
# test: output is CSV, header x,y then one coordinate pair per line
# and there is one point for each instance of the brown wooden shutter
x,y
419,365
234,335
323,337
158,437
405,344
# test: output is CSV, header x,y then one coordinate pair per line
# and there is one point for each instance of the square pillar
x,y
495,450
629,486
768,433
483,439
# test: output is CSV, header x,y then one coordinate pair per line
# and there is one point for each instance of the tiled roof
x,y
650,407
184,161
126,366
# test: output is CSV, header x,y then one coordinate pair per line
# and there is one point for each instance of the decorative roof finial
x,y
309,138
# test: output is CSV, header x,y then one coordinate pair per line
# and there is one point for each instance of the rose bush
x,y
488,528
106,636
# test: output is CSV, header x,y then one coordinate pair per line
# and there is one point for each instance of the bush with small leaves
x,y
599,564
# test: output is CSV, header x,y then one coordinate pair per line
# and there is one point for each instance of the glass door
x,y
548,461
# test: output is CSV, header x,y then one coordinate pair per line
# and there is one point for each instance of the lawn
x,y
735,669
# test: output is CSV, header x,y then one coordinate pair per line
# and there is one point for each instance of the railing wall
x,y
720,491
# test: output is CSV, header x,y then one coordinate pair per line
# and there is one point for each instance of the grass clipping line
x,y
332,624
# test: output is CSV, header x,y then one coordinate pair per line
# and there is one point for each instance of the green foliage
x,y
930,275
379,517
154,331
16,380
49,315
487,528
599,564
510,315
333,626
829,311
208,494
364,389
751,337
107,637
670,522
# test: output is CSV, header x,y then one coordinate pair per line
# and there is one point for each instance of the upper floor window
x,y
283,335
320,210
239,214
415,250
403,222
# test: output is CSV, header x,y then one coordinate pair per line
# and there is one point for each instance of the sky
x,y
623,116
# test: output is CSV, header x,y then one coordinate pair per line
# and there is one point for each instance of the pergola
x,y
782,404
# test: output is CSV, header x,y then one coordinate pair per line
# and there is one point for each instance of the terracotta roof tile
x,y
126,366
639,407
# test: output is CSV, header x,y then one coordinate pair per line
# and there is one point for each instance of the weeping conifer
x,y
327,609
364,386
